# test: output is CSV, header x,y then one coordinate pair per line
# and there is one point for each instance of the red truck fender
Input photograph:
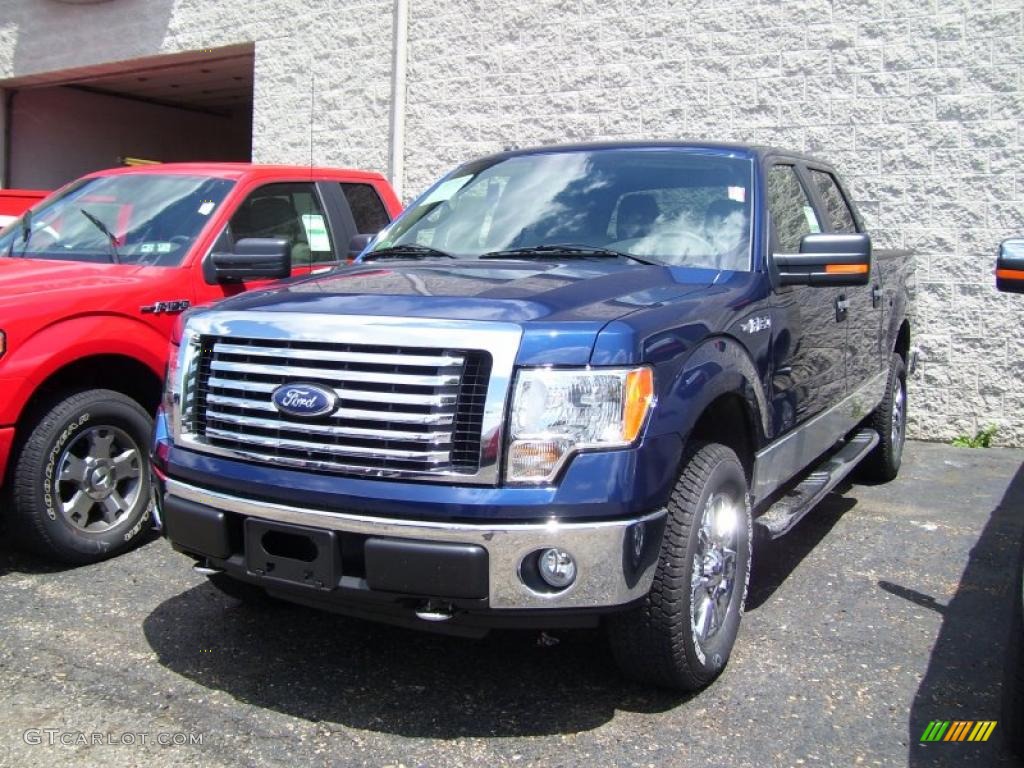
x,y
71,342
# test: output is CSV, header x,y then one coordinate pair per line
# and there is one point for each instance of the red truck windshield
x,y
142,219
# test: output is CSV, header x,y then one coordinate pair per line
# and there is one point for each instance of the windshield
x,y
670,206
142,219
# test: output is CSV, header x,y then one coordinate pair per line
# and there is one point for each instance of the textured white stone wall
x,y
918,102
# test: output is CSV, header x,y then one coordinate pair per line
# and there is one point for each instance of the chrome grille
x,y
400,409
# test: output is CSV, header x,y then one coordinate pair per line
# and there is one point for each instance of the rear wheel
x,y
890,421
81,489
682,633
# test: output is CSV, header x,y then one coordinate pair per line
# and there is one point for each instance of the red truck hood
x,y
19,277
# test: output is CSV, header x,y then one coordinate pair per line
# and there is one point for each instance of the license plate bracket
x,y
293,554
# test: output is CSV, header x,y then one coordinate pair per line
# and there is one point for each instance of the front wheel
x,y
682,633
81,490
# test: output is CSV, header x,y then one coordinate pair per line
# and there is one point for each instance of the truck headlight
x,y
179,383
557,412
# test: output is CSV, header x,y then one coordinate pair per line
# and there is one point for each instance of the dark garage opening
x,y
195,106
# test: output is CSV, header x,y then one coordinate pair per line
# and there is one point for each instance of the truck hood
x,y
22,277
506,291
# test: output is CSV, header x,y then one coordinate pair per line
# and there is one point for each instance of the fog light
x,y
556,567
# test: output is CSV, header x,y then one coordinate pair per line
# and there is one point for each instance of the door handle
x,y
876,296
842,305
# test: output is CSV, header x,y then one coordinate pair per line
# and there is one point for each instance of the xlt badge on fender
x,y
304,401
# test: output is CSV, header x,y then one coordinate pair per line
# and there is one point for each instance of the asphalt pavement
x,y
886,608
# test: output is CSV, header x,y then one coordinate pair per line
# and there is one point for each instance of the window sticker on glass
x,y
316,232
739,194
206,207
812,220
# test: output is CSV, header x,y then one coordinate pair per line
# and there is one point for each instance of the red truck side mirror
x,y
827,259
357,244
1010,266
253,258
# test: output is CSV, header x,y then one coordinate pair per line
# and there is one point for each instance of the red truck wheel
x,y
81,488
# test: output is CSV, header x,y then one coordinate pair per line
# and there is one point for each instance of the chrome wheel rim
x,y
98,479
713,575
899,408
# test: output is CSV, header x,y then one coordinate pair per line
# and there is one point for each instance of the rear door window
x,y
793,215
836,208
367,209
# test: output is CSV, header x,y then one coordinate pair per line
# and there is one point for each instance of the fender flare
x,y
60,344
718,366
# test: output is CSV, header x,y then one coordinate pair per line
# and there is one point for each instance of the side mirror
x,y
1010,266
357,244
826,259
254,258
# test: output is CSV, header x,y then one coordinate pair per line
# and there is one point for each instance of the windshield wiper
x,y
568,249
410,251
111,238
26,233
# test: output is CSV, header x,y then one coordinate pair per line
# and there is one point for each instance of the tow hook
x,y
206,570
433,610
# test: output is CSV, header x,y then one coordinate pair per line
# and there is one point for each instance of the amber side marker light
x,y
639,394
1010,274
846,269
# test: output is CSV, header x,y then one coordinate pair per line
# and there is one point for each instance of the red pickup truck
x,y
91,282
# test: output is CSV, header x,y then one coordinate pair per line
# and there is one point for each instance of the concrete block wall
x,y
918,102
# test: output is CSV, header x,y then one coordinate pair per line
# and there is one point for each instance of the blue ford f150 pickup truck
x,y
564,388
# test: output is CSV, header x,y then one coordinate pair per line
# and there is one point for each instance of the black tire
x,y
883,463
91,421
656,642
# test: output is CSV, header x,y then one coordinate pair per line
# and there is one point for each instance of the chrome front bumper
x,y
614,564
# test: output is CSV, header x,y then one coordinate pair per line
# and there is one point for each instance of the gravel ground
x,y
886,608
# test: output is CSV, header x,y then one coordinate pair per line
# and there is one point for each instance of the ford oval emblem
x,y
304,400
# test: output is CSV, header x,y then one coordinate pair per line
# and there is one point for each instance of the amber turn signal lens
x,y
846,269
638,395
1010,274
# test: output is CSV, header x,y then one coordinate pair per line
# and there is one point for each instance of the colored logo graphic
x,y
304,400
958,730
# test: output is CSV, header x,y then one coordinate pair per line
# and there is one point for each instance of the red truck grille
x,y
399,410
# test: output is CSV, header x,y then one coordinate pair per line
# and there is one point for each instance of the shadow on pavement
x,y
326,667
775,561
14,560
965,671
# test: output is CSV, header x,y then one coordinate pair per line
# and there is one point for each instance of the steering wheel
x,y
699,244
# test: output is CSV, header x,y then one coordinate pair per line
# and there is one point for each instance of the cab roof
x,y
758,151
236,171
